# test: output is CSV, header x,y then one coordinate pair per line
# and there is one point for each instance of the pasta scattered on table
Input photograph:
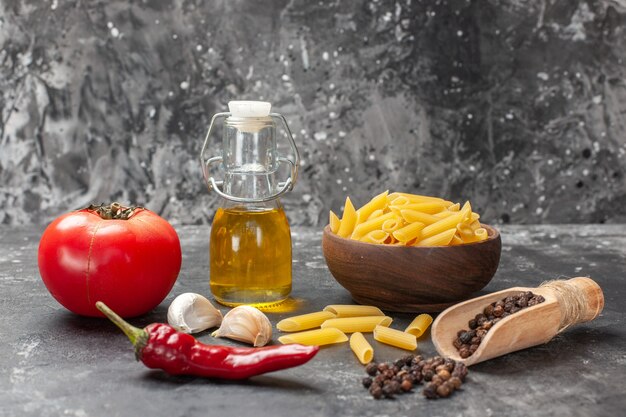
x,y
349,310
357,324
317,337
304,321
395,338
361,348
419,325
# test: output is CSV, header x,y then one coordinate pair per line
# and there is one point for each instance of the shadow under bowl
x,y
411,278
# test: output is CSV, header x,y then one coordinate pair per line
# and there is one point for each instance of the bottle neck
x,y
250,160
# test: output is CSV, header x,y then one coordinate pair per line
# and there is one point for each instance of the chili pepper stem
x,y
136,335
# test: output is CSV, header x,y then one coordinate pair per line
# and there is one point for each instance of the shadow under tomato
x,y
64,320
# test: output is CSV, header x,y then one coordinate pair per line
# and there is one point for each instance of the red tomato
x,y
130,265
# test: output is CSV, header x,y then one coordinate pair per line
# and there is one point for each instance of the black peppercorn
x,y
465,337
408,359
388,391
508,306
371,369
443,390
417,359
382,367
449,364
464,352
498,310
406,385
367,381
428,374
472,324
456,382
444,374
436,379
460,371
489,310
376,391
430,391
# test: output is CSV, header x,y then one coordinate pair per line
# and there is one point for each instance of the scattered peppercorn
x,y
376,391
442,376
467,341
371,369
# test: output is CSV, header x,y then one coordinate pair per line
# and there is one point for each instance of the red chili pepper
x,y
160,346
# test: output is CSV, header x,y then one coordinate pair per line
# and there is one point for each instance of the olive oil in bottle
x,y
250,256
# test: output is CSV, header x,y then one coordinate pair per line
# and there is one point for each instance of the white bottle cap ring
x,y
249,108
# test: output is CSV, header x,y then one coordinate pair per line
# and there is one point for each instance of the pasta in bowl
x,y
427,272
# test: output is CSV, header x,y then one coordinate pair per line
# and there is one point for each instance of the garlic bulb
x,y
246,324
192,313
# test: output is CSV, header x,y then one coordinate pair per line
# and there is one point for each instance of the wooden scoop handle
x,y
593,295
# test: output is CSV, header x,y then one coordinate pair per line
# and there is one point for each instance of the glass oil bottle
x,y
250,246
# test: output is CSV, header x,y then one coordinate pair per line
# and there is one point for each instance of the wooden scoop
x,y
528,327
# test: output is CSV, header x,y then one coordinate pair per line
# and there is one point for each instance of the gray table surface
x,y
53,363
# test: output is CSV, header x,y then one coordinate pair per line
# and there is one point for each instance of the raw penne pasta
x,y
391,225
334,222
395,338
375,203
416,198
350,310
445,213
317,337
442,225
376,213
408,232
419,325
404,219
370,225
481,233
348,220
456,240
375,236
442,239
465,232
361,348
466,210
428,208
304,321
357,324
411,216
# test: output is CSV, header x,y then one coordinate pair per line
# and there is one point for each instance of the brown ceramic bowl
x,y
411,279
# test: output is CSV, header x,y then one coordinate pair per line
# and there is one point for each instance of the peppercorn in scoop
x,y
467,341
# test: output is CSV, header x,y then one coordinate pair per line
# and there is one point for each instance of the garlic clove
x,y
193,313
246,324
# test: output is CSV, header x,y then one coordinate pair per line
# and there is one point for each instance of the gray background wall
x,y
517,105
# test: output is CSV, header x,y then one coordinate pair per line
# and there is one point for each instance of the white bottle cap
x,y
249,108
